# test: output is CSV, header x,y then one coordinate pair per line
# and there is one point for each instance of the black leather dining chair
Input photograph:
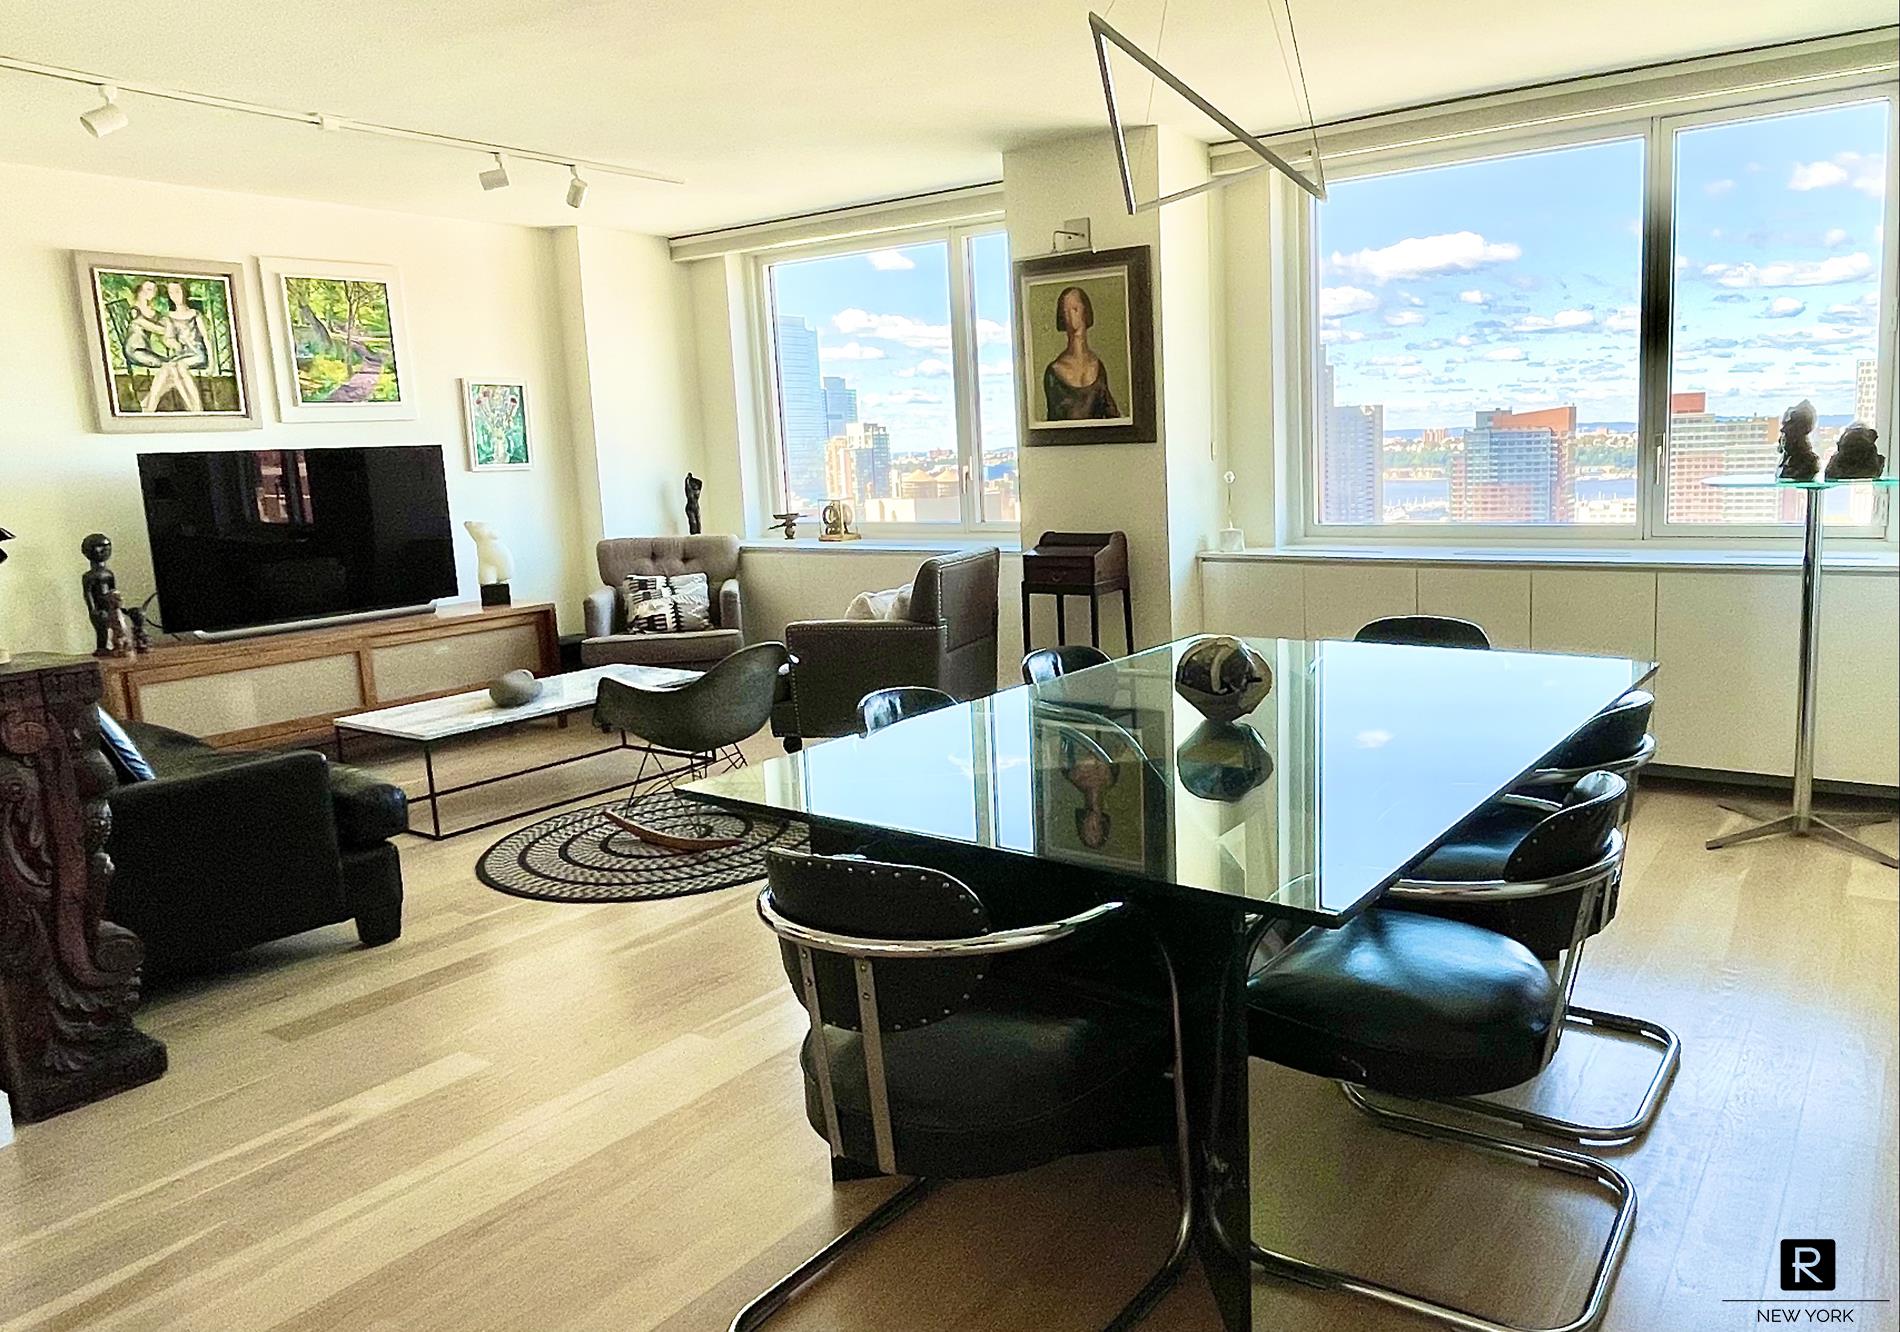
x,y
887,707
1416,1005
1052,663
926,1057
1423,631
1477,857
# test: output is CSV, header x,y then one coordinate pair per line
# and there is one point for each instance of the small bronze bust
x,y
111,633
1799,462
693,486
1855,457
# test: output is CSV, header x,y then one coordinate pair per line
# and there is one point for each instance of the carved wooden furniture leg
x,y
69,980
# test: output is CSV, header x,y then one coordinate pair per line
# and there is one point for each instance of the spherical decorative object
x,y
515,688
1223,761
1222,677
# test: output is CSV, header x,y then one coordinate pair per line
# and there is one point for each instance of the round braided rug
x,y
580,857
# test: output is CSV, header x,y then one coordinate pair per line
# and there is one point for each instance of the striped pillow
x,y
657,604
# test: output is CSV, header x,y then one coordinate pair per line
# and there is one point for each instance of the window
x,y
1478,345
1484,357
893,381
1777,280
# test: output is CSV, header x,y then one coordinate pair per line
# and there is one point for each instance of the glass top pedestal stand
x,y
1801,820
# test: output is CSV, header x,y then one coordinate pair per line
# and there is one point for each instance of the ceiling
x,y
768,110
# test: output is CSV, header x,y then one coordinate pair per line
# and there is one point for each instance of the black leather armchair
x,y
948,643
220,850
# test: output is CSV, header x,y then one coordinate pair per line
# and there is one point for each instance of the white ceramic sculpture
x,y
493,563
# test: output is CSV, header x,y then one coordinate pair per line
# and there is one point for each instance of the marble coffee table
x,y
432,721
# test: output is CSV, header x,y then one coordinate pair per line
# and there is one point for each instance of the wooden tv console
x,y
287,688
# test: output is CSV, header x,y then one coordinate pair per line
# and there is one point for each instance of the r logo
x,y
1807,1264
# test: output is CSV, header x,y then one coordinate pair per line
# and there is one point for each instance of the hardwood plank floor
x,y
529,1115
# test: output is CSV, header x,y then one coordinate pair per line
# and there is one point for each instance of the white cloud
x,y
1405,318
850,351
1557,323
1427,256
890,261
930,367
1625,320
1505,354
1341,335
1338,302
994,369
1792,272
909,397
1715,189
1465,340
1785,307
1863,171
1390,360
988,331
1410,299
1836,236
1474,297
903,329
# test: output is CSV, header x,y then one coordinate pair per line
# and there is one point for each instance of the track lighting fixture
x,y
495,177
105,119
576,189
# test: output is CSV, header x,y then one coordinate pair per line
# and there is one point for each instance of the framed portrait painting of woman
x,y
166,342
1086,344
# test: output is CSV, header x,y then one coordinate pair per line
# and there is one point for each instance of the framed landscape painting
x,y
165,339
339,340
1086,346
497,425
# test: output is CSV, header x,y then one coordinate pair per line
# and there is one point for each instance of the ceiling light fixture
x,y
108,118
576,189
496,176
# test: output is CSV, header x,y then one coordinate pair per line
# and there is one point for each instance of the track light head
x,y
576,189
495,177
108,118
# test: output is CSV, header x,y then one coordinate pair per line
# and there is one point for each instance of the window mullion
x,y
963,377
1657,326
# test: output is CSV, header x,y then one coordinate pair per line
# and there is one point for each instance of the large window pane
x,y
988,266
1479,341
866,396
1777,290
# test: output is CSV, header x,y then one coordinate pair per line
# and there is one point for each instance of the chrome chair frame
x,y
864,952
1594,881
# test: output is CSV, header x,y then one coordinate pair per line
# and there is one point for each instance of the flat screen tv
x,y
244,540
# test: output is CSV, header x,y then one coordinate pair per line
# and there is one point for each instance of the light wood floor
x,y
528,1115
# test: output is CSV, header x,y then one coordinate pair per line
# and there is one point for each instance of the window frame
x,y
964,378
1300,367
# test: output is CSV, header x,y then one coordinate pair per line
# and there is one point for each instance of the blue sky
x,y
883,322
1513,282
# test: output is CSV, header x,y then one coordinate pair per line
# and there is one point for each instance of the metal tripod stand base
x,y
1828,830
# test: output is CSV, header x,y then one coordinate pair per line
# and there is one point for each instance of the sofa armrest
x,y
729,609
598,611
231,855
840,661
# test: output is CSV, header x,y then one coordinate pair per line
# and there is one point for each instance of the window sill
x,y
1008,543
1872,559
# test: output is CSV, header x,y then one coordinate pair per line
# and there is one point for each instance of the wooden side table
x,y
1066,564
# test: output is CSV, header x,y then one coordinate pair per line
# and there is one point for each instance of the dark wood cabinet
x,y
1085,564
69,980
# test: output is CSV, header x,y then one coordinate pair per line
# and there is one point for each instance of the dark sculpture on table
x,y
1799,462
111,631
69,980
693,486
1222,677
1855,457
787,522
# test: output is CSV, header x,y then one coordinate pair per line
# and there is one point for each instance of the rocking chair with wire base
x,y
703,721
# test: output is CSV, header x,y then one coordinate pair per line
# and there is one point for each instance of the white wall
x,y
627,328
479,302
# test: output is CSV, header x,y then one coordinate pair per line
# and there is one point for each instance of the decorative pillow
x,y
891,604
657,604
121,751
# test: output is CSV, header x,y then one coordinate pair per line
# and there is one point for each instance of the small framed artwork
x,y
166,342
497,425
1085,340
339,340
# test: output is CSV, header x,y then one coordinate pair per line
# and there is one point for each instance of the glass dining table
x,y
1234,836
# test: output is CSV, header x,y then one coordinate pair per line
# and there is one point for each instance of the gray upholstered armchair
x,y
609,643
948,643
